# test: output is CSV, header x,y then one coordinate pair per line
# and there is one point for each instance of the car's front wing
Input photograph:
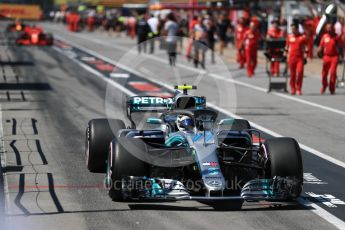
x,y
278,188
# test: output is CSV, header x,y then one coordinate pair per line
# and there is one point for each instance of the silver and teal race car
x,y
185,152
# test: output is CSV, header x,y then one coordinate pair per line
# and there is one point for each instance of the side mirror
x,y
227,121
154,121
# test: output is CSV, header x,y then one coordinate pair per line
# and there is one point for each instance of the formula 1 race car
x,y
187,153
35,36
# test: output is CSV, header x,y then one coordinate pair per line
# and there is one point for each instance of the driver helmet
x,y
184,123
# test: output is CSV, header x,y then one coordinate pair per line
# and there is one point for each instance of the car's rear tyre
x,y
285,159
240,124
99,133
123,164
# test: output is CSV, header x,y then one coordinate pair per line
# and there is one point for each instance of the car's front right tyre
x,y
285,160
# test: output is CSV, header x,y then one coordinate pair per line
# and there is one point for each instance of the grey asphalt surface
x,y
49,185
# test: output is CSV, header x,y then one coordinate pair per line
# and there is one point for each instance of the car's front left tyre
x,y
122,164
99,133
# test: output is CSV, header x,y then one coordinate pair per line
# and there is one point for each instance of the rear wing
x,y
148,104
142,104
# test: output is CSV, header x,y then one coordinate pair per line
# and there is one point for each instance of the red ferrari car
x,y
35,36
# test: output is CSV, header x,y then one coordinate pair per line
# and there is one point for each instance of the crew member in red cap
x,y
69,21
329,44
239,35
296,48
275,32
251,44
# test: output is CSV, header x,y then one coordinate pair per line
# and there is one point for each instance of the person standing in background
x,y
222,27
239,36
296,47
131,26
328,48
310,34
153,23
340,31
192,23
338,26
200,43
283,27
250,44
274,33
211,32
90,21
170,30
76,24
142,31
182,33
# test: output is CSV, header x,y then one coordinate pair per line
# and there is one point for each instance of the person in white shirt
x,y
171,29
153,23
338,26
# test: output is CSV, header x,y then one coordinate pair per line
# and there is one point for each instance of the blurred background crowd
x,y
218,18
196,28
217,21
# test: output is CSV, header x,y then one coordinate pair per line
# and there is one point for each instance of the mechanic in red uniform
x,y
275,32
73,19
309,31
132,22
239,34
296,48
250,42
76,22
328,47
69,21
90,21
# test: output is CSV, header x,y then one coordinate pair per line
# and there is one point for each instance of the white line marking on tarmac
x,y
99,74
257,88
326,199
88,59
335,221
119,75
115,84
